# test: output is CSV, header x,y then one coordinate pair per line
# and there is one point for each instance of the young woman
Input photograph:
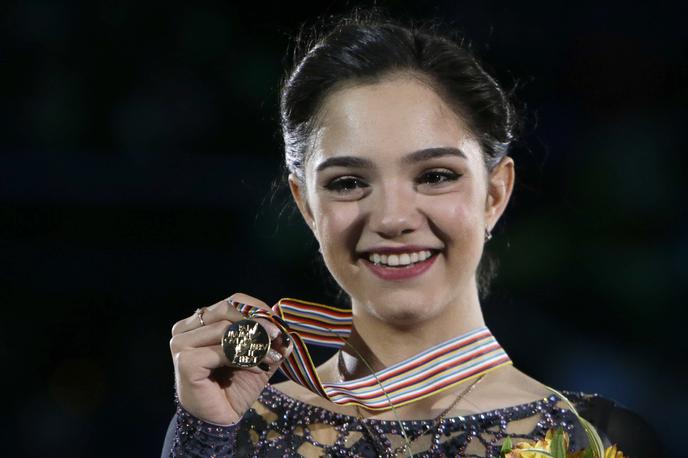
x,y
396,141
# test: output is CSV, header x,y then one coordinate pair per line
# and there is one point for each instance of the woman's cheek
x,y
454,215
336,222
460,222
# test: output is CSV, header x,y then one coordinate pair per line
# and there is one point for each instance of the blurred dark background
x,y
139,146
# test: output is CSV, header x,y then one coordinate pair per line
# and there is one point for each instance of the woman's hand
x,y
207,388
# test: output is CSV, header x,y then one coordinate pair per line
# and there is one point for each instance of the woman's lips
x,y
400,273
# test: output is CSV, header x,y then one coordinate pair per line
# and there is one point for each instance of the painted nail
x,y
286,340
274,355
264,366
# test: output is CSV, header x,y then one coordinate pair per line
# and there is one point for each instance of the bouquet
x,y
555,445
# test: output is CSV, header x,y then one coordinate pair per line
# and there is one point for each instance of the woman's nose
x,y
394,212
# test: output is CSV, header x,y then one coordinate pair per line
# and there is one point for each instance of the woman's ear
x,y
499,187
298,192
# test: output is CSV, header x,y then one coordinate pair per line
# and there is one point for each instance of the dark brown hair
x,y
365,47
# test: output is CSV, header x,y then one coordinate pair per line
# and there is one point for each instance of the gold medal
x,y
245,343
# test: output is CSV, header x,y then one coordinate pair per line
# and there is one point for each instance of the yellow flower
x,y
530,449
530,453
535,449
612,452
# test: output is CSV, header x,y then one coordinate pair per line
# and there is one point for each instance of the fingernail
x,y
273,332
264,366
274,355
286,340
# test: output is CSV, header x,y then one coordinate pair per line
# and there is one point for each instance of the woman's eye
x,y
438,177
344,185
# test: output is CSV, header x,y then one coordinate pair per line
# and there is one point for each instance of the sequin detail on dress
x,y
290,428
195,437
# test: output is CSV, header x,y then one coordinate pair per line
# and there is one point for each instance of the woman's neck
x,y
379,344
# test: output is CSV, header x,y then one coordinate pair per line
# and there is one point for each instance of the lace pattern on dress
x,y
195,437
280,426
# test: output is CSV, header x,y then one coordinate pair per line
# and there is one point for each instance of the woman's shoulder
x,y
617,424
295,393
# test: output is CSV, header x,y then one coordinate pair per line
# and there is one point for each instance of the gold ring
x,y
199,314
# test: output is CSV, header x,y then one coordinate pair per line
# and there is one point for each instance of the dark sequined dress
x,y
280,426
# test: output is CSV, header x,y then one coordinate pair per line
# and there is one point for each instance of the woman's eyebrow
x,y
416,156
345,161
431,153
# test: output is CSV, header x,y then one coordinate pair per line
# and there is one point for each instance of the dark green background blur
x,y
139,143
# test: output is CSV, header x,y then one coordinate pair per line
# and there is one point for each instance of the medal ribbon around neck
x,y
431,371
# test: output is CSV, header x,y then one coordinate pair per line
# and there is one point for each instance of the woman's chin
x,y
402,315
396,306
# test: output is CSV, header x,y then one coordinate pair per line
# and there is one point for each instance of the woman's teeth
x,y
404,259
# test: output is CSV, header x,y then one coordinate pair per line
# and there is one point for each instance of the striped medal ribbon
x,y
432,371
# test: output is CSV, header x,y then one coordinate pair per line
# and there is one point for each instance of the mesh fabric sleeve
x,y
188,436
623,427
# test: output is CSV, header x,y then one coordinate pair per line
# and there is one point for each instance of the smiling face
x,y
399,198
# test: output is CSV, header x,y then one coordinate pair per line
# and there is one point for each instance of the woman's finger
x,y
225,309
275,357
195,365
222,311
210,334
206,315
